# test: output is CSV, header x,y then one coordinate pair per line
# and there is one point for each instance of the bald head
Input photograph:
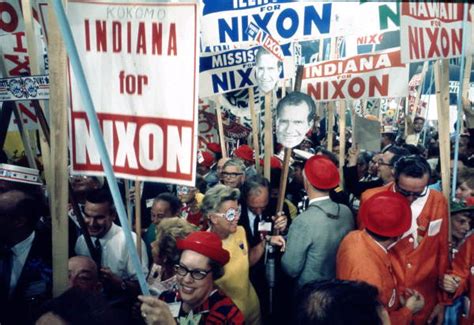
x,y
82,273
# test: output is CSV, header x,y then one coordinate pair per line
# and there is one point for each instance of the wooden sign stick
x,y
342,140
441,71
465,82
58,100
268,136
255,130
220,126
330,126
138,218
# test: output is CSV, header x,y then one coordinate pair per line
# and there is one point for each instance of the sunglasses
x,y
408,193
195,274
230,214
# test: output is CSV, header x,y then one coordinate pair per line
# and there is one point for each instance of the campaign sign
x,y
21,88
433,30
140,62
226,21
373,75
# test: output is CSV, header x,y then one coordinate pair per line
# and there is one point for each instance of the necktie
x,y
6,263
98,250
255,226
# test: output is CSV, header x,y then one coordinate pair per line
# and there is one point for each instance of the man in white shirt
x,y
117,271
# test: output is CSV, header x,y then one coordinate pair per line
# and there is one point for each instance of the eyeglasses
x,y
383,163
195,274
413,194
230,214
231,175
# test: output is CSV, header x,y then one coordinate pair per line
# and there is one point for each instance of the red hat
x,y
386,214
214,147
206,243
321,172
244,152
275,163
208,159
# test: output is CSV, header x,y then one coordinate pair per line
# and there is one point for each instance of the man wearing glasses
x,y
233,173
420,257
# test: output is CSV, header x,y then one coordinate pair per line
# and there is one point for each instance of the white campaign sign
x,y
140,62
373,75
433,30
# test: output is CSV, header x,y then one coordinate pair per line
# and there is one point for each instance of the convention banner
x,y
21,88
140,62
433,30
372,75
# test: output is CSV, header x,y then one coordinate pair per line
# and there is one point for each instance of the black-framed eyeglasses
x,y
383,163
231,175
195,274
408,193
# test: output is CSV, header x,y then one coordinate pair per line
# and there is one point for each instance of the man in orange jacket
x,y
461,279
420,258
363,254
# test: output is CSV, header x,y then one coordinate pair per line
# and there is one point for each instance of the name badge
x,y
264,226
434,227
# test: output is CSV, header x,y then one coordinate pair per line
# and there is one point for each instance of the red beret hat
x,y
208,159
214,147
321,172
244,152
206,243
275,163
386,214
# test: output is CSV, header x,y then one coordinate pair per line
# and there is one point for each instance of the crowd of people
x,y
371,247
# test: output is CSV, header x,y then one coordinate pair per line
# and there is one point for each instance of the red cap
x,y
244,152
208,159
386,214
275,163
321,172
206,243
214,147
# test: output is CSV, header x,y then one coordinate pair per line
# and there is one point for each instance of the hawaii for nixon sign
x,y
140,62
434,30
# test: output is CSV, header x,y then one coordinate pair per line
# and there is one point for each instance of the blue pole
x,y
94,125
459,104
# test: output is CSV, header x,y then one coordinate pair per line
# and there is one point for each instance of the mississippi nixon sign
x,y
140,62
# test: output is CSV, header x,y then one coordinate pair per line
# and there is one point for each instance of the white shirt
x,y
322,198
252,217
115,253
416,208
20,253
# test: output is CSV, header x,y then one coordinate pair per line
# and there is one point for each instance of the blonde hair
x,y
168,231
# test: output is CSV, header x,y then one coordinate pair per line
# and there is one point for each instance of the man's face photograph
x,y
267,72
292,124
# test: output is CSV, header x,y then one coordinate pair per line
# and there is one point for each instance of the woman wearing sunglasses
x,y
197,300
221,207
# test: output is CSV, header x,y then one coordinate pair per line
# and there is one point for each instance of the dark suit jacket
x,y
34,285
258,271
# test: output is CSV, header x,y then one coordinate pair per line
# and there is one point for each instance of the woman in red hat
x,y
197,300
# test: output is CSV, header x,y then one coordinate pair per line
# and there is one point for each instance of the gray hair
x,y
235,162
217,195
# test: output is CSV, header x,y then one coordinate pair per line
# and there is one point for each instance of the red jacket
x,y
420,268
361,258
463,266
